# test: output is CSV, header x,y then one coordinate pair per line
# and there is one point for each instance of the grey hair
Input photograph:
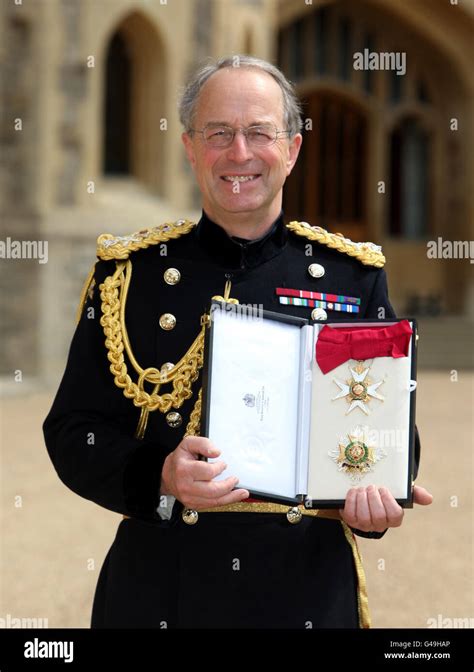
x,y
189,98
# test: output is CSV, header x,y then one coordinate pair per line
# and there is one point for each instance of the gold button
x,y
294,515
174,419
319,314
190,516
172,276
316,270
167,321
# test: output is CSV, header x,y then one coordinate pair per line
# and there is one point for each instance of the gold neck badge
x,y
359,389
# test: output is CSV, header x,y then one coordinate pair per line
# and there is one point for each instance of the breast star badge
x,y
356,454
359,389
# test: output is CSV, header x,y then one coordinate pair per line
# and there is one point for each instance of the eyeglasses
x,y
261,135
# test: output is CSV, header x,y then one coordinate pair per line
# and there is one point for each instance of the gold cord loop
x,y
114,292
193,427
226,298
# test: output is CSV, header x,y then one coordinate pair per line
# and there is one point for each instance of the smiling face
x,y
241,185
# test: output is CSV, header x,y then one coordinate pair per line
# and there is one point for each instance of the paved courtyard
x,y
53,542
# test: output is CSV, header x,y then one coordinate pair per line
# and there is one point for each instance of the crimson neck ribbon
x,y
337,345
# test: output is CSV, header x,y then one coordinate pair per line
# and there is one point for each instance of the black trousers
x,y
230,570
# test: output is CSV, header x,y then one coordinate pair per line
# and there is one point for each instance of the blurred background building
x,y
90,143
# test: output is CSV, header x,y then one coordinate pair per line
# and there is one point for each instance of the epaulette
x,y
119,247
367,253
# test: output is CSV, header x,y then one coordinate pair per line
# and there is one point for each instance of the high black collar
x,y
238,253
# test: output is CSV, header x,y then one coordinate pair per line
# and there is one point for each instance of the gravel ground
x,y
54,542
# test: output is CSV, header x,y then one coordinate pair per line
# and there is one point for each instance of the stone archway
x,y
134,113
412,186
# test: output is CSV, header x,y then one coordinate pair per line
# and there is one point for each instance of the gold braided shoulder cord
x,y
114,292
367,253
119,247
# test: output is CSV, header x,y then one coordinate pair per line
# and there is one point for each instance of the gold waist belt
x,y
294,514
271,507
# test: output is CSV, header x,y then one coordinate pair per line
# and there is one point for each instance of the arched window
x,y
320,40
134,102
117,108
409,180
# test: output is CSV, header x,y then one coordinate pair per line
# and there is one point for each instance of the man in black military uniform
x,y
124,427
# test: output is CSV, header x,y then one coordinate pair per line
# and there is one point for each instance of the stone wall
x,y
51,135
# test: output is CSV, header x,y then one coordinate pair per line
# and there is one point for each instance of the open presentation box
x,y
302,411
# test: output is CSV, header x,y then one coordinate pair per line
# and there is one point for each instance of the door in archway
x,y
117,108
328,184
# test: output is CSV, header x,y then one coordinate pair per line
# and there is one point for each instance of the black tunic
x,y
230,569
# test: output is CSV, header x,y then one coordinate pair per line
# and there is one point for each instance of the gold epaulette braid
x,y
119,247
367,253
114,291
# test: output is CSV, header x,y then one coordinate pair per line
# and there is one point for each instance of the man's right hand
x,y
190,479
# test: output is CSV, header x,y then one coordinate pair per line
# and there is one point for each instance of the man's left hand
x,y
373,509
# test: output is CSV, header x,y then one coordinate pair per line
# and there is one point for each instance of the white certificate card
x,y
253,406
